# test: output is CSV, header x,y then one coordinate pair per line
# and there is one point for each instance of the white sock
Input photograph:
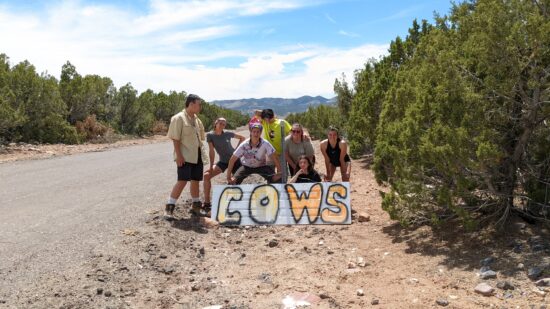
x,y
172,200
196,199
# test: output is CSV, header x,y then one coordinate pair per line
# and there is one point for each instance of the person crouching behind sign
x,y
253,153
306,173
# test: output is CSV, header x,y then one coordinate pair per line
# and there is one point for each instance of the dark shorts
x,y
267,172
223,166
191,171
336,161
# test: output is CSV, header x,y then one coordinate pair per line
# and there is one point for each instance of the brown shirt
x,y
190,132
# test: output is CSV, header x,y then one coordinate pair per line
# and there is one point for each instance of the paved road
x,y
55,213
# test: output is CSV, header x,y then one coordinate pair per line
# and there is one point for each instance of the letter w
x,y
305,202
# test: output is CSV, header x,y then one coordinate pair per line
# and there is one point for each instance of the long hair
x,y
309,165
301,129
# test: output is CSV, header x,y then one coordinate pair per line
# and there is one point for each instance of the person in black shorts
x,y
335,152
187,134
220,141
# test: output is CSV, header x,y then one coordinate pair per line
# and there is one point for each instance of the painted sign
x,y
297,203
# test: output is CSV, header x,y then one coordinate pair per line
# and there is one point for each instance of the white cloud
x,y
155,50
348,34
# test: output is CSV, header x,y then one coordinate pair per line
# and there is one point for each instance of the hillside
x,y
281,106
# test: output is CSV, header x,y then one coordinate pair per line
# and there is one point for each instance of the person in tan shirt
x,y
187,134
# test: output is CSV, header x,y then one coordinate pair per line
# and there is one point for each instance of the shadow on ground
x,y
519,243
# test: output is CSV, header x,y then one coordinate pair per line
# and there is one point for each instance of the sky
x,y
218,49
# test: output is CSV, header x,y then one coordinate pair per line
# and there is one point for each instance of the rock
x,y
168,270
324,295
195,287
521,266
505,285
361,262
321,242
539,292
484,289
363,217
543,282
442,302
413,280
374,301
484,269
351,265
99,291
360,292
534,272
273,243
487,261
488,275
108,294
299,299
208,223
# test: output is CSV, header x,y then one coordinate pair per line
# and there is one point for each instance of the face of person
x,y
255,133
195,106
303,164
332,135
296,132
220,125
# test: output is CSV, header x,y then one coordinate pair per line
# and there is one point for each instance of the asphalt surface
x,y
55,213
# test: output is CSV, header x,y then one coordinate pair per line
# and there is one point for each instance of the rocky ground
x,y
373,262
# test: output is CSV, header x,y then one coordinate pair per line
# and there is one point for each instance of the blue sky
x,y
219,49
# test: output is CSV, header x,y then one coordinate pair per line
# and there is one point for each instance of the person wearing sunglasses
x,y
296,145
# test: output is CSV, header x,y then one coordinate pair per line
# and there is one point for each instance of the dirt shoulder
x,y
24,151
371,263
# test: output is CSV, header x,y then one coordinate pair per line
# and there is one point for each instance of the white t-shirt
x,y
254,156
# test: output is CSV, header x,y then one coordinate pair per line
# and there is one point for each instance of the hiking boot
x,y
169,211
207,207
196,209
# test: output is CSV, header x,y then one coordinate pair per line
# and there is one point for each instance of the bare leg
x,y
331,172
207,183
177,189
194,189
346,172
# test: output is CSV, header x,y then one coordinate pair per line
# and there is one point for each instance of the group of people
x,y
262,154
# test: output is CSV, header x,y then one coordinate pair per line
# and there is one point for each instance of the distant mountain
x,y
281,106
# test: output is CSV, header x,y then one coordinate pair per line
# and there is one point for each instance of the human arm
x,y
230,178
239,137
180,160
323,147
211,154
343,153
278,170
289,160
295,177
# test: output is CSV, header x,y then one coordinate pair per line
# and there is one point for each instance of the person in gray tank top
x,y
218,140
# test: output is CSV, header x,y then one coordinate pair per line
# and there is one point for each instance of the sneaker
x,y
169,211
196,209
